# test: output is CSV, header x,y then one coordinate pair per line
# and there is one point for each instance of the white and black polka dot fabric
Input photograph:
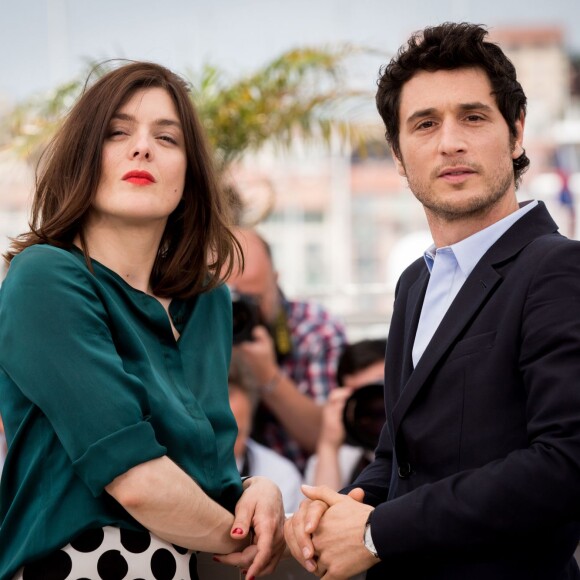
x,y
114,554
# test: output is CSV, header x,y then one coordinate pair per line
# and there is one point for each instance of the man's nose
x,y
452,138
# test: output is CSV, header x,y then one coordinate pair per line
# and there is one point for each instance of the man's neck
x,y
446,232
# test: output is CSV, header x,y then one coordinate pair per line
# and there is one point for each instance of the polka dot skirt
x,y
114,554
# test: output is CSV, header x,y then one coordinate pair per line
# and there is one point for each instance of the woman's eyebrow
x,y
161,122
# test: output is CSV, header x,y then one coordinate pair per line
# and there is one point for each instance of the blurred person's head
x,y
197,246
258,277
451,46
362,363
361,368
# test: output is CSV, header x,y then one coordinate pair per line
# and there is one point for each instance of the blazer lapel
x,y
473,294
480,284
412,315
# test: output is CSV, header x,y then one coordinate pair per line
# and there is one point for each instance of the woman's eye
x,y
169,139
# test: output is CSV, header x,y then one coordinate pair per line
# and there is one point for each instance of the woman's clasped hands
x,y
259,516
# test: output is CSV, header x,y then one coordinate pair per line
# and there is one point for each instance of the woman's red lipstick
x,y
139,177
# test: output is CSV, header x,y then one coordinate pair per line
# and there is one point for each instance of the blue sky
x,y
44,42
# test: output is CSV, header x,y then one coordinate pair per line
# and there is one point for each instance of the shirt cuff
x,y
115,454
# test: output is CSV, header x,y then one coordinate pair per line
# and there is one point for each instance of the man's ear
x,y
399,164
519,139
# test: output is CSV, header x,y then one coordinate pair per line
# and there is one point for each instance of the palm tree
x,y
300,93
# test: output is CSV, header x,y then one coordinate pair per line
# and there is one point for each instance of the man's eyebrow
x,y
420,114
159,122
475,106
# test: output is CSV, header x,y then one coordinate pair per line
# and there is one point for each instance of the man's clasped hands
x,y
326,534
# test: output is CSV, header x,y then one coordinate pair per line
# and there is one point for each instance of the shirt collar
x,y
469,251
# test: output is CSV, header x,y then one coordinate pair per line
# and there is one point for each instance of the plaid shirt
x,y
317,341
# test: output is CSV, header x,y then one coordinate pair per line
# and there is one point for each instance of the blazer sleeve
x,y
532,489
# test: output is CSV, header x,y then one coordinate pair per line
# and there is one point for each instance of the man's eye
x,y
425,125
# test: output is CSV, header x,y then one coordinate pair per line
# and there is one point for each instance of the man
x,y
477,472
292,356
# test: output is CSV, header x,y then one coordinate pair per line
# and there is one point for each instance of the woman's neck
x,y
130,252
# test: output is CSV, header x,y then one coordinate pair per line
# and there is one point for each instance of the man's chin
x,y
463,206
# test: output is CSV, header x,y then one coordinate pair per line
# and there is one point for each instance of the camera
x,y
364,416
246,315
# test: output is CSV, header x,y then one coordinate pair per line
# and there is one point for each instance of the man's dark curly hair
x,y
446,47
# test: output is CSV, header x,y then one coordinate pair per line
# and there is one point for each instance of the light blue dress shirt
x,y
449,267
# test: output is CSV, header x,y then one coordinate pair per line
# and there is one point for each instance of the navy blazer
x,y
477,472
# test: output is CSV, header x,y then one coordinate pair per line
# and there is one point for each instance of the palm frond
x,y
301,93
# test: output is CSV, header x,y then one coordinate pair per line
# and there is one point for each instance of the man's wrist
x,y
368,538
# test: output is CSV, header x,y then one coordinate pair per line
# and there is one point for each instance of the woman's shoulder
x,y
44,255
43,263
219,296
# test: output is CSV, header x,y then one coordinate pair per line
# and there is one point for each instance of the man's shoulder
x,y
542,252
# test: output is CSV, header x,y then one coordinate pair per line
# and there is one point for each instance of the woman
x,y
116,338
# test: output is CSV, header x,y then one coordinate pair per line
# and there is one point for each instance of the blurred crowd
x,y
309,404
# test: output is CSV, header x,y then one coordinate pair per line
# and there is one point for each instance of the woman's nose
x,y
140,147
139,153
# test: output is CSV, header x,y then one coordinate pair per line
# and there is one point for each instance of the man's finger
x,y
322,493
303,557
357,494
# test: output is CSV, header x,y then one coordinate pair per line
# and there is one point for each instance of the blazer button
x,y
404,470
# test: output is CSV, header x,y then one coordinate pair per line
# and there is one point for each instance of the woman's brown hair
x,y
197,250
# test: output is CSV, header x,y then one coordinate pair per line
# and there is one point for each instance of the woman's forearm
x,y
170,504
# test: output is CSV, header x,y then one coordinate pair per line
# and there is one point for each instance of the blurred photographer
x,y
291,348
251,457
351,418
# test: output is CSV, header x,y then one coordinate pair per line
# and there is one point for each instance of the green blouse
x,y
92,383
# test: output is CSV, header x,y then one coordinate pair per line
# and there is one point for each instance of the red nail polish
x,y
244,572
238,531
215,559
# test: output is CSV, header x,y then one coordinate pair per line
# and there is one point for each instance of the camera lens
x,y
246,315
364,416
